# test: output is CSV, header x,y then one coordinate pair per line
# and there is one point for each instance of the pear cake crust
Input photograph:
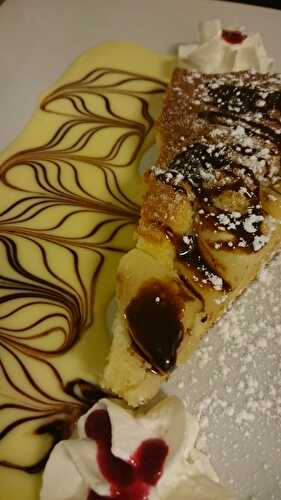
x,y
209,222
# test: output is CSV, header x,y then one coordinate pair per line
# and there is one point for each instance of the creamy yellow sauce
x,y
69,199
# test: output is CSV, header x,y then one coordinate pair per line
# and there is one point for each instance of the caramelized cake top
x,y
220,141
241,111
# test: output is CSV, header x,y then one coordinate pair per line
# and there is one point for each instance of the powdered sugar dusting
x,y
233,384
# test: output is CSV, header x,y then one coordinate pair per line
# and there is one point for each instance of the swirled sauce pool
x,y
69,201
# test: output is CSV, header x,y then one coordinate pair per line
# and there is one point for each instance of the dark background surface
x,y
274,4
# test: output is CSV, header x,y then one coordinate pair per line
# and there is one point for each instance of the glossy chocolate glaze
x,y
154,319
66,223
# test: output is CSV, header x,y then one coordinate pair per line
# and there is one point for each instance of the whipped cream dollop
x,y
138,455
223,50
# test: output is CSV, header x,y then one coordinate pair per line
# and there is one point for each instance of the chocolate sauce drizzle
x,y
154,319
245,99
54,218
190,254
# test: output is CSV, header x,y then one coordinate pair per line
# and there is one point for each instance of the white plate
x,y
234,381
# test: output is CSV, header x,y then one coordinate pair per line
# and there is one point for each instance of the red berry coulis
x,y
233,36
130,480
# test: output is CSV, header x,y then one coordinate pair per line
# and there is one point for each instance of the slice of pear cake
x,y
209,221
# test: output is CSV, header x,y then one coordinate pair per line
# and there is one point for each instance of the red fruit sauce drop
x,y
233,36
127,480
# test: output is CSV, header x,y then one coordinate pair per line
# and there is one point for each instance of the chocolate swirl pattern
x,y
69,205
34,412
